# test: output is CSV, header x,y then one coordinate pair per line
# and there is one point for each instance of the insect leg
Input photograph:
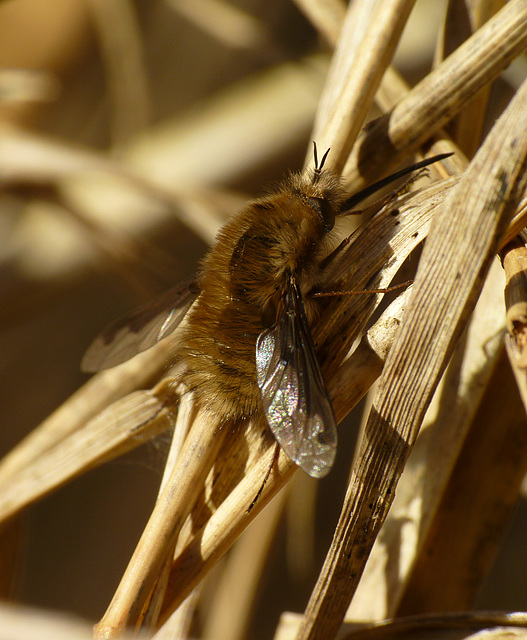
x,y
327,294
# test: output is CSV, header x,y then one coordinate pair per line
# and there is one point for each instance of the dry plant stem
x,y
514,259
430,465
349,108
355,377
171,509
432,102
517,224
364,366
223,527
455,29
446,626
347,40
230,25
476,503
25,85
460,246
392,88
377,251
443,626
184,420
126,424
229,614
97,394
467,126
42,161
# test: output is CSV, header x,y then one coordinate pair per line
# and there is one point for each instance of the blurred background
x,y
129,130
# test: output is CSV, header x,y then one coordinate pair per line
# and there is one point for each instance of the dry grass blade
x,y
229,615
150,613
358,373
356,18
201,547
517,224
446,627
180,623
461,20
33,160
226,23
391,89
357,73
377,251
440,439
19,85
468,231
432,102
477,503
95,396
124,425
442,626
514,258
172,508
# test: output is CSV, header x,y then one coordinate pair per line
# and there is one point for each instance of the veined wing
x,y
128,336
294,396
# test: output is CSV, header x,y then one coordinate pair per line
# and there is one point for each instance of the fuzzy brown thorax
x,y
284,233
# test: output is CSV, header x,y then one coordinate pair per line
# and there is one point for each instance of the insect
x,y
247,346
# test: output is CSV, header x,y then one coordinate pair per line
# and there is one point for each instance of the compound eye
x,y
324,210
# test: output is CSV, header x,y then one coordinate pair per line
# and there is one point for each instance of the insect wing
x,y
128,336
294,396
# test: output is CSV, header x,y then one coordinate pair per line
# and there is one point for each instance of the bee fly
x,y
247,346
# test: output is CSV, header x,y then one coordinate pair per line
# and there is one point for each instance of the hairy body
x,y
242,279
